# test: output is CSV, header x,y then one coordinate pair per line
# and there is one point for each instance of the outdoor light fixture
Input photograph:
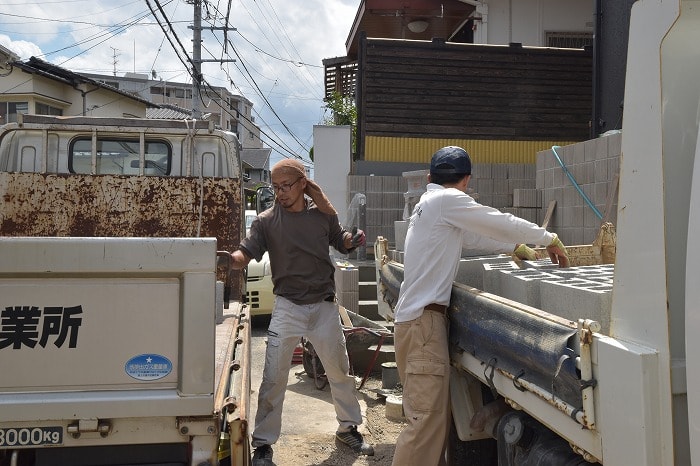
x,y
417,26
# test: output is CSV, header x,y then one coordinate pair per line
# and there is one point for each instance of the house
x,y
508,80
38,87
231,112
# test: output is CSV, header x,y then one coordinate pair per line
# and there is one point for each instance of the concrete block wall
x,y
385,203
495,185
525,190
594,165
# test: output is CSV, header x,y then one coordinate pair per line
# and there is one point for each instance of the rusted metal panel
x,y
35,204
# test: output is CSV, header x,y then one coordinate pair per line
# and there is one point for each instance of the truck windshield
x,y
119,157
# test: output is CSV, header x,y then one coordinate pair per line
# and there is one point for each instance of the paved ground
x,y
306,409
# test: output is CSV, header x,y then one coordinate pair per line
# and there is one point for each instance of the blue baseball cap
x,y
451,160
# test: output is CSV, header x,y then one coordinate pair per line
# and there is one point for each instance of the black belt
x,y
441,308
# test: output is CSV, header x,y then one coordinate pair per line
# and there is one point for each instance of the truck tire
x,y
474,453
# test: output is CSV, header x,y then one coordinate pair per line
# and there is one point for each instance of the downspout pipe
x,y
596,123
84,94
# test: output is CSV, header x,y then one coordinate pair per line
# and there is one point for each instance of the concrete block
x,y
580,150
390,184
502,200
393,201
614,144
527,198
540,179
500,186
374,184
591,300
471,269
347,278
499,171
559,178
390,216
491,276
483,170
416,181
400,230
521,183
523,285
357,183
613,167
486,186
374,216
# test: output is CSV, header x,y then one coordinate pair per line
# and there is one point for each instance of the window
x,y
119,157
571,40
10,110
46,109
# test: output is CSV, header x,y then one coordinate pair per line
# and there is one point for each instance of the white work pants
x,y
320,323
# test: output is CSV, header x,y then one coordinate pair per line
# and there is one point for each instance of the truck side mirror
x,y
264,198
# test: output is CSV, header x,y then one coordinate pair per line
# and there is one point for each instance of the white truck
x,y
122,337
623,389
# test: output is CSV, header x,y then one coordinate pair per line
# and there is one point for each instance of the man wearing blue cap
x,y
431,257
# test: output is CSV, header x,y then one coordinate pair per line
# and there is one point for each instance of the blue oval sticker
x,y
148,367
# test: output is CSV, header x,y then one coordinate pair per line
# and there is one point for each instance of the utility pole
x,y
197,57
114,60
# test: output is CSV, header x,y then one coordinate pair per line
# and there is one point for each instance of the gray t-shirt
x,y
297,243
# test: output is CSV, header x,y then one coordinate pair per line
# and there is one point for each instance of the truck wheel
x,y
476,452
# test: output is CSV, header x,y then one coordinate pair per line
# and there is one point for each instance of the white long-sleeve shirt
x,y
434,243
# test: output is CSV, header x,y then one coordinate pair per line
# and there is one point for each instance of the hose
x,y
575,184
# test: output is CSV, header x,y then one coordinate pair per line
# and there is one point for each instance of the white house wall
x,y
526,21
20,86
332,164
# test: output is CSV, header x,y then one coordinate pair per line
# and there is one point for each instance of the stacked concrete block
x,y
530,198
523,285
347,286
578,298
385,203
593,165
471,269
571,293
492,275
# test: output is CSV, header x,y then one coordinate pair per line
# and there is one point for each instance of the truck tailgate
x,y
106,327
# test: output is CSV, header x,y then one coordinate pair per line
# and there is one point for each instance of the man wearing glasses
x,y
296,232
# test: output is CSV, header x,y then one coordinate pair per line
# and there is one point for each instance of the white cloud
x,y
270,34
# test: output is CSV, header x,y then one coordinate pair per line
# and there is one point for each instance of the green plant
x,y
343,112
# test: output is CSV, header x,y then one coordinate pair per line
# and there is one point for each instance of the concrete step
x,y
367,290
369,308
384,323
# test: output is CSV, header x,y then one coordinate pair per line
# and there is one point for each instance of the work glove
x,y
557,252
523,252
358,238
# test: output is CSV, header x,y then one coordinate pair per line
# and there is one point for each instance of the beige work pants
x,y
423,362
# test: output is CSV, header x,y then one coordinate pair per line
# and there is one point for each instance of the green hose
x,y
573,182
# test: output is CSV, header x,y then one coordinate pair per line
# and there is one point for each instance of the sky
x,y
278,47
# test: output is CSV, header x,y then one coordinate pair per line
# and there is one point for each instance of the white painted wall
x,y
332,161
526,21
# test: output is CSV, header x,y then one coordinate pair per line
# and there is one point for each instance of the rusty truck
x,y
123,338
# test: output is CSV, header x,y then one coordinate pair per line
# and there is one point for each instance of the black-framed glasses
x,y
284,188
